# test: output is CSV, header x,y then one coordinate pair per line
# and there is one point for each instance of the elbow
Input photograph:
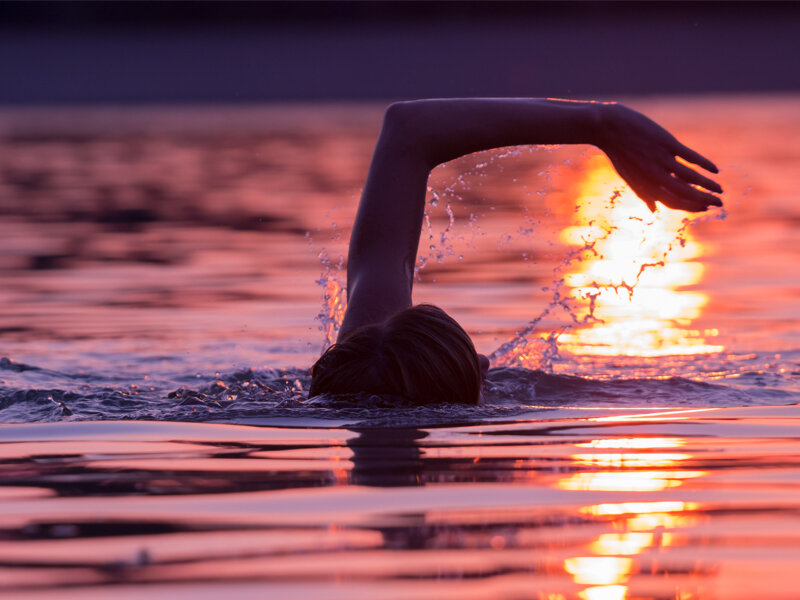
x,y
399,119
404,128
401,113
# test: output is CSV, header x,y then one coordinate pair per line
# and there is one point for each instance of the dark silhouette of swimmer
x,y
386,457
387,346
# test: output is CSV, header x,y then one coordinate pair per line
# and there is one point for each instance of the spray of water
x,y
334,297
529,347
526,351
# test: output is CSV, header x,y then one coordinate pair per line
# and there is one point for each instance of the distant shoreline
x,y
254,117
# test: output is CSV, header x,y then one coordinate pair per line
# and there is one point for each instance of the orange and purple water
x,y
163,273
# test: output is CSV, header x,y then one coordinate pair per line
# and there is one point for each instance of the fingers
x,y
654,181
680,181
689,193
674,194
671,200
694,157
692,176
646,192
649,200
679,195
681,192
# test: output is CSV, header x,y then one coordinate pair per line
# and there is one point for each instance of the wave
x,y
261,395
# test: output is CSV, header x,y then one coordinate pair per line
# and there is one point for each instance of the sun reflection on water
x,y
634,276
610,562
641,442
598,570
604,592
629,481
632,542
630,460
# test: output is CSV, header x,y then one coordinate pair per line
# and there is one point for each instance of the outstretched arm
x,y
416,136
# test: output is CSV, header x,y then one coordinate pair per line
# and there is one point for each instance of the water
x,y
168,264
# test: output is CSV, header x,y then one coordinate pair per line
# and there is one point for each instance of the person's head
x,y
421,354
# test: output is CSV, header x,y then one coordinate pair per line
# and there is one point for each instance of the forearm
x,y
443,129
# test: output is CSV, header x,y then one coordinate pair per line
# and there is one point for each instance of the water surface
x,y
184,266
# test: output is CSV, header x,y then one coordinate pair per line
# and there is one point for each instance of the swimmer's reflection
x,y
392,458
386,457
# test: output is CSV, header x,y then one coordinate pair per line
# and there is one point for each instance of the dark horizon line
x,y
378,99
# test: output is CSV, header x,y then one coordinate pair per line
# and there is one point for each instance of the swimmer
x,y
388,346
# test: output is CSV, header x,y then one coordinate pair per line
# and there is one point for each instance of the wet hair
x,y
420,354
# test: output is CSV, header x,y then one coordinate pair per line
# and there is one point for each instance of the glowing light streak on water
x,y
634,443
604,592
659,416
599,570
640,527
634,276
630,481
630,460
634,508
622,543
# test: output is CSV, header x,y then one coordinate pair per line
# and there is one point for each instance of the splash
x,y
528,352
334,297
654,255
439,246
623,286
621,290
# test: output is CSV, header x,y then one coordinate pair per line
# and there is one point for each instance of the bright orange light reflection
x,y
660,521
654,416
604,592
630,460
632,248
640,508
599,570
640,526
622,543
627,481
638,442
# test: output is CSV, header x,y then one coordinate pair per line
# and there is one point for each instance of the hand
x,y
644,154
